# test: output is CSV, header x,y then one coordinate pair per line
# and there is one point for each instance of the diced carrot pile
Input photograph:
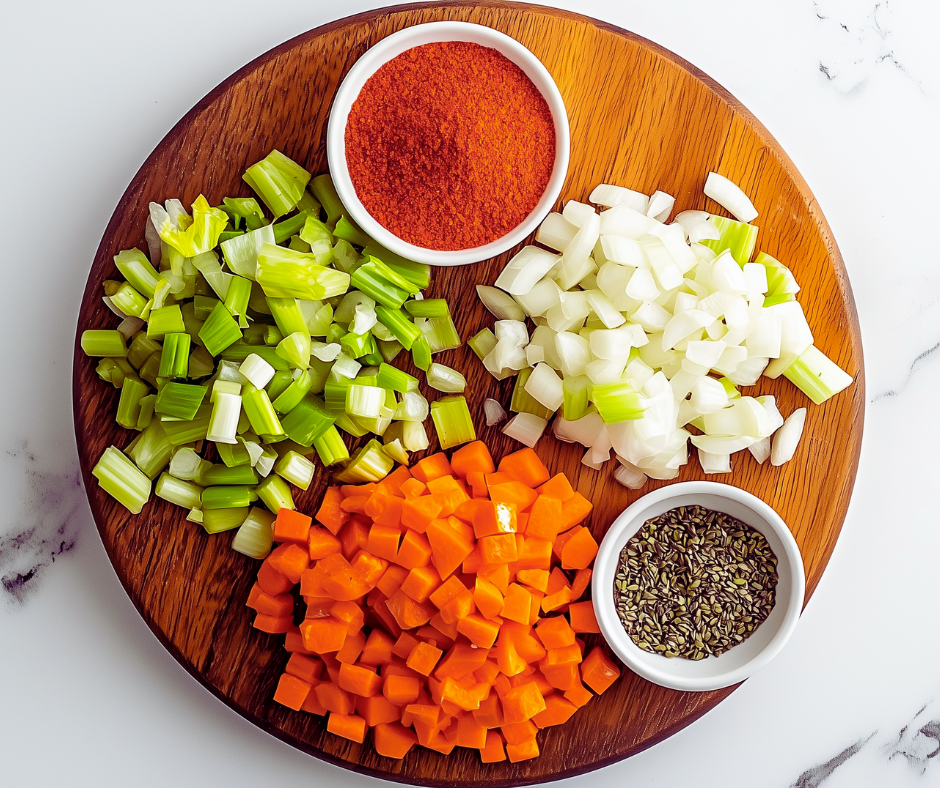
x,y
441,606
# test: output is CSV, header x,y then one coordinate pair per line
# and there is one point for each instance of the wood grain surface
x,y
640,117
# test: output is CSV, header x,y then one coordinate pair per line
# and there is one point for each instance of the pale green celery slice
x,y
390,377
523,402
195,515
255,536
414,437
318,322
452,421
260,412
141,348
272,336
348,230
122,480
198,237
185,464
730,389
345,258
288,315
208,265
396,451
223,474
244,209
781,284
223,423
280,382
428,307
165,320
616,402
285,273
274,493
323,189
369,464
236,299
482,343
128,300
149,371
217,520
295,349
228,497
817,376
233,455
238,353
283,230
389,349
739,237
350,426
278,181
220,330
446,379
319,238
174,359
421,353
309,203
401,326
107,343
201,363
418,274
182,493
128,412
147,405
138,271
330,447
180,400
296,468
575,389
288,399
180,432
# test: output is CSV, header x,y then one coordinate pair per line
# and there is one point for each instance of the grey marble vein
x,y
918,742
816,775
928,355
42,529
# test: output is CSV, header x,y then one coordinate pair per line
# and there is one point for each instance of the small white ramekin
x,y
393,46
742,660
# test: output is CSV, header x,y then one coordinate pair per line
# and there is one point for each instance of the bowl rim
x,y
391,47
623,528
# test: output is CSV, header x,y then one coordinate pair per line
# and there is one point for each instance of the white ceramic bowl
x,y
390,48
739,662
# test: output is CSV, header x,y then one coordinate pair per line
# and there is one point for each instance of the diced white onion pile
x,y
643,328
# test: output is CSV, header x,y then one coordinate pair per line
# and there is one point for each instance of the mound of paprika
x,y
450,146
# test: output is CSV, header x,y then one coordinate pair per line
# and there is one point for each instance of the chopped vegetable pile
x,y
643,329
441,606
269,358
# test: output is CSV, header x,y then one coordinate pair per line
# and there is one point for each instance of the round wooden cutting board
x,y
640,117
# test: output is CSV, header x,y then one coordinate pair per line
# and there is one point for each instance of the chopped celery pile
x,y
266,327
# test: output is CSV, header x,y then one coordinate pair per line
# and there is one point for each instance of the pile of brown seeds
x,y
694,582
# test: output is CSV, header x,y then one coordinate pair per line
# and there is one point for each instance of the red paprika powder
x,y
450,146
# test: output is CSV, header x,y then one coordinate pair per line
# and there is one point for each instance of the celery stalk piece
x,y
165,320
421,353
182,493
105,343
441,333
357,345
224,475
402,328
330,447
575,390
280,382
351,426
228,497
817,376
141,348
323,189
446,379
255,536
185,464
307,421
147,405
274,493
295,349
390,377
396,451
241,253
319,238
260,412
238,353
208,265
428,307
334,392
174,359
152,450
201,363
180,432
523,402
284,273
217,520
236,299
223,423
616,402
190,237
128,300
309,203
288,315
220,330
180,400
414,437
419,274
369,464
382,283
345,258
296,468
388,350
233,455
738,237
256,371
290,226
482,343
730,389
196,515
151,368
272,336
278,181
451,418
122,480
364,401
128,412
138,271
348,230
244,209
291,396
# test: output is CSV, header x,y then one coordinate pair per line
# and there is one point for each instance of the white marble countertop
x,y
850,89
